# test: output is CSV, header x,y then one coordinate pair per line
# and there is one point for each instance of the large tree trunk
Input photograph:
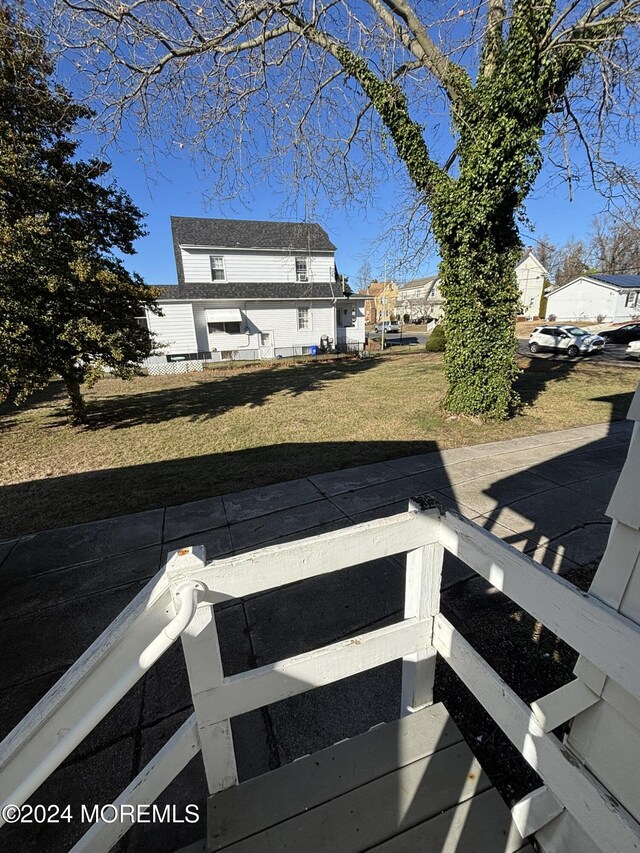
x,y
480,358
481,301
475,222
76,400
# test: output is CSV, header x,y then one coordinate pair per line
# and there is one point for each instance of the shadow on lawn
x,y
217,391
538,373
75,498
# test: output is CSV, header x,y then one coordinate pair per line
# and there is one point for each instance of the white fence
x,y
179,602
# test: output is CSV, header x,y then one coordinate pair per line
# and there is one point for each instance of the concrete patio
x,y
545,494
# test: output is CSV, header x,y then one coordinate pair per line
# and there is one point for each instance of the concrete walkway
x,y
545,494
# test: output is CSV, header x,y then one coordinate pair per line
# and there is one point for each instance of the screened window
x,y
224,328
217,268
632,300
304,318
302,272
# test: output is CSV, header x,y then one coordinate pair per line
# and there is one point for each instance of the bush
x,y
407,319
552,318
436,341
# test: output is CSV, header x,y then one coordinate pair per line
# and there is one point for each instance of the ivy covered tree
x,y
68,306
469,99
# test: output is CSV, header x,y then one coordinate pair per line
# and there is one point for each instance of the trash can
x,y
313,350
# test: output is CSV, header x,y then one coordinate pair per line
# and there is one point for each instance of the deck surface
x,y
404,786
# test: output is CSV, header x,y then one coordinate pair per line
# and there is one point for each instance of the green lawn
x,y
165,440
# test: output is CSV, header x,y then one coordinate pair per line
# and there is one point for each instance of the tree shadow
x,y
537,374
51,502
217,391
53,396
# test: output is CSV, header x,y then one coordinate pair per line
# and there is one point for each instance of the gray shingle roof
x,y
618,280
418,282
246,234
252,290
250,234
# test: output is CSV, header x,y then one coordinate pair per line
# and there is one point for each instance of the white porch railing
x,y
179,601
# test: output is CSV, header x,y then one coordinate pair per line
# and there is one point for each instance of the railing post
x,y
421,601
204,668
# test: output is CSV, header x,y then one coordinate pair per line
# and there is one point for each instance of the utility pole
x,y
383,302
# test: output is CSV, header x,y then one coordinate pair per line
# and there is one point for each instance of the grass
x,y
160,441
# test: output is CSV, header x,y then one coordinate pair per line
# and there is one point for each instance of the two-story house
x,y
422,296
253,290
380,307
532,278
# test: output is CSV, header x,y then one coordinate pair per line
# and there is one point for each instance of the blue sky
x,y
175,186
162,186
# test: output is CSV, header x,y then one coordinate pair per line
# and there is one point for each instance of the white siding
x,y
278,318
421,300
354,334
581,300
530,278
175,330
247,266
607,736
624,311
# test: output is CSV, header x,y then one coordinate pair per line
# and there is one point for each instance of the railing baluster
x,y
204,667
422,601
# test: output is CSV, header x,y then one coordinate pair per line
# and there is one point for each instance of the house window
x,y
217,268
143,322
304,318
632,300
302,273
224,328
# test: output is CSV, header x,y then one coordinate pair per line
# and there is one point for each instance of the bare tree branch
x,y
493,35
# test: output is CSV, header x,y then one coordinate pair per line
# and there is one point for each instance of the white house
x,y
613,298
422,297
251,290
530,276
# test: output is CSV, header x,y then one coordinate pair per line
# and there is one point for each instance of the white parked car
x,y
570,339
633,350
389,327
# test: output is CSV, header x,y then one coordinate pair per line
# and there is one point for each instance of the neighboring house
x,y
251,290
421,298
381,302
531,277
607,298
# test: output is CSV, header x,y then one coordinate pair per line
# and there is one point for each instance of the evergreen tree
x,y
68,306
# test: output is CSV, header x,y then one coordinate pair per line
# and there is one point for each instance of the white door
x,y
266,345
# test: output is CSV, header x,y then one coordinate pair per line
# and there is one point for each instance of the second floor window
x,y
304,320
302,273
217,268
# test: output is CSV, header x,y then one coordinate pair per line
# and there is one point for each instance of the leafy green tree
x,y
67,304
336,92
